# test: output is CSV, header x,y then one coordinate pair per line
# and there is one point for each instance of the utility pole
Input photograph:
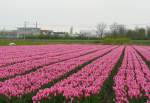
x,y
36,24
71,30
25,27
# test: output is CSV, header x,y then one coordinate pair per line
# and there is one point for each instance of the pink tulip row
x,y
20,68
23,51
34,54
132,78
84,83
145,51
11,51
20,55
28,83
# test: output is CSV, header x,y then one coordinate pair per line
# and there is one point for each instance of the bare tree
x,y
121,29
101,28
118,29
147,34
114,28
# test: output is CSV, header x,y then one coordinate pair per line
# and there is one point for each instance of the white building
x,y
29,30
10,34
89,33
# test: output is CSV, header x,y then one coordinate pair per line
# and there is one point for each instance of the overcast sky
x,y
74,12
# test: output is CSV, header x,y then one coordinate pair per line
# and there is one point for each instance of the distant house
x,y
74,35
47,32
12,34
88,33
60,34
29,30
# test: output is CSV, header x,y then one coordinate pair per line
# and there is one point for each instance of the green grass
x,y
5,42
141,42
45,42
116,40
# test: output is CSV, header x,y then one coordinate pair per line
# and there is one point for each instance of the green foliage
x,y
138,34
116,40
141,42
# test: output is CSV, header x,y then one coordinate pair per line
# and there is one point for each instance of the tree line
x,y
120,30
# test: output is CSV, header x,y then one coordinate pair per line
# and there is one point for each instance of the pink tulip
x,y
28,83
87,81
131,77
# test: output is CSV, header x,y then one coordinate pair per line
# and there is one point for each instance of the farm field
x,y
75,73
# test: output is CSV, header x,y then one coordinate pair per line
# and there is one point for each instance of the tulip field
x,y
75,73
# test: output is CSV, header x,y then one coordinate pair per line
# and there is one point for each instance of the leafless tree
x,y
100,29
114,28
117,29
121,29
